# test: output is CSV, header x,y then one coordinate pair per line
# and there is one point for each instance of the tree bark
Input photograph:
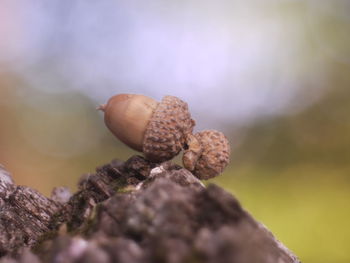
x,y
133,211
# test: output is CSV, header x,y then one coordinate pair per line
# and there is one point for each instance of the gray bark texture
x,y
132,212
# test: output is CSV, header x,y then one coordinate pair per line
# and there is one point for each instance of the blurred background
x,y
274,75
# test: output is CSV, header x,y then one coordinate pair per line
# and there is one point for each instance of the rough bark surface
x,y
133,211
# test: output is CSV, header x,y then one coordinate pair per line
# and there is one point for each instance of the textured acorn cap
x,y
167,130
215,154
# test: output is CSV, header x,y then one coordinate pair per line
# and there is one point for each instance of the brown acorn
x,y
158,129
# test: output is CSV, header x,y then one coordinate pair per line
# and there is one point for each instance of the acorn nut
x,y
158,129
207,155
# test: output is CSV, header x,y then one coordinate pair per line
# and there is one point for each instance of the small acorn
x,y
158,129
207,155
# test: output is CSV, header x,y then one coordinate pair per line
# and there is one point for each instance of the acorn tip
x,y
102,107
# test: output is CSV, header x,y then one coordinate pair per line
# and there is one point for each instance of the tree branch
x,y
135,211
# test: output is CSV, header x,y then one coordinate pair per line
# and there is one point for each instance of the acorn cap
x,y
167,130
212,158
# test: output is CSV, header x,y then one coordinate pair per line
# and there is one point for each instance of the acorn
x,y
207,155
158,129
